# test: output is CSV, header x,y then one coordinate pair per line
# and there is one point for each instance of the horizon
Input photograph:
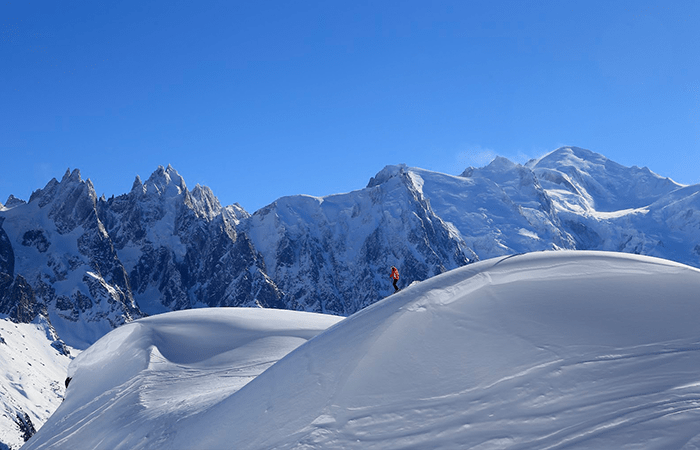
x,y
261,101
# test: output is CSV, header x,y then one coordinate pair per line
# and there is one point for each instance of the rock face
x,y
183,250
333,254
89,265
65,267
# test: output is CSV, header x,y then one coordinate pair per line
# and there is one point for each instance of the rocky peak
x,y
502,164
165,181
137,185
72,176
204,202
386,174
13,201
70,202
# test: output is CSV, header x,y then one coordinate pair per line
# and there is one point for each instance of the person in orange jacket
x,y
395,277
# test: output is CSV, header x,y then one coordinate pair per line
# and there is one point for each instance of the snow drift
x,y
544,350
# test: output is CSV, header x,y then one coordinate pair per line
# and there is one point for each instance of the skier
x,y
395,277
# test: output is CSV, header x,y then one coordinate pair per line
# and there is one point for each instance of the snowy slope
x,y
146,376
32,375
545,350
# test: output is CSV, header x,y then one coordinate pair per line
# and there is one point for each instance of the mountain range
x,y
82,265
78,259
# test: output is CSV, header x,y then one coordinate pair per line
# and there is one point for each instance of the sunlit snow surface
x,y
31,379
546,350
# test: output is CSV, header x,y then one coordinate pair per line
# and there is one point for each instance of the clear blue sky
x,y
261,99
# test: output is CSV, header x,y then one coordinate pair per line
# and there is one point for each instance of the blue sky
x,y
261,99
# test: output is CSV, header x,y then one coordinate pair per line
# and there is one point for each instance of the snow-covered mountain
x,y
332,254
568,349
162,247
85,265
605,206
59,261
183,250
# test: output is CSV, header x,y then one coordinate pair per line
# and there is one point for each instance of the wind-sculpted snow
x,y
146,376
549,350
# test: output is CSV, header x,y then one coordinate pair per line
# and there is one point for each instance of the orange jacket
x,y
394,273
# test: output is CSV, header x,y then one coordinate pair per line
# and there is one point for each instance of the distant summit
x,y
607,185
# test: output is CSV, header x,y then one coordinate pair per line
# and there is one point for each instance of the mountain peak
x,y
137,183
568,155
72,176
13,201
387,173
501,163
204,201
164,181
55,191
607,185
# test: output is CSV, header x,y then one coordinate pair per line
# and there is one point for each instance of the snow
x,y
545,350
606,185
601,215
161,369
32,377
528,233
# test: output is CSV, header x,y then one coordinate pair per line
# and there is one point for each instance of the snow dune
x,y
546,350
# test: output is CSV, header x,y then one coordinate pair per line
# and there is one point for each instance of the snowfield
x,y
31,381
548,350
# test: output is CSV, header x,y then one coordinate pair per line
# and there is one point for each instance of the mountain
x,y
605,206
84,265
60,262
568,349
183,250
332,254
163,247
78,259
